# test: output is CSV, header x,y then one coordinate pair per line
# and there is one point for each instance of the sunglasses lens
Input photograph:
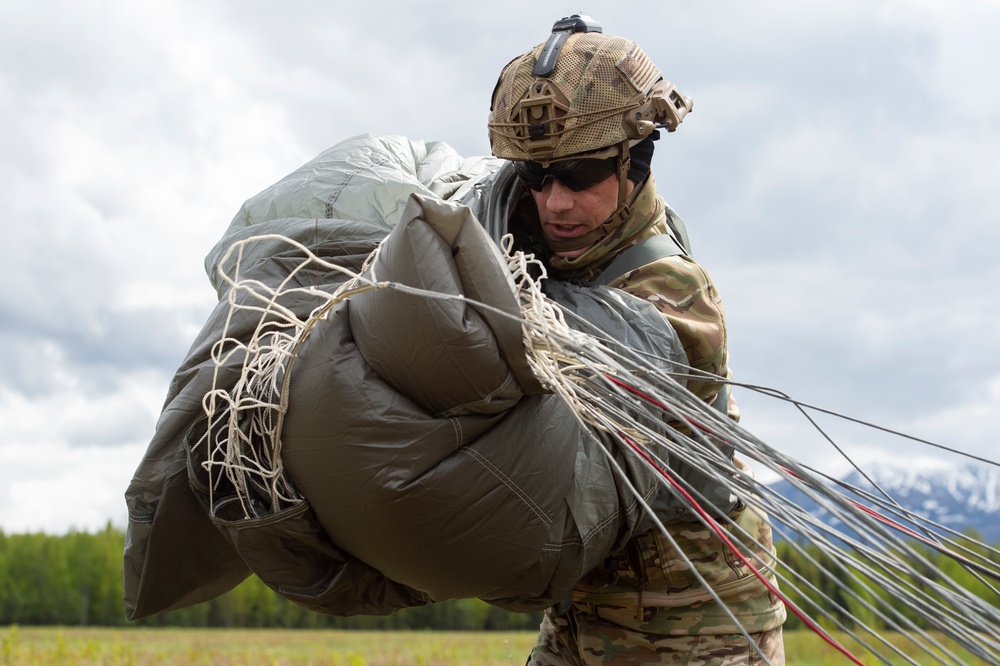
x,y
532,174
577,175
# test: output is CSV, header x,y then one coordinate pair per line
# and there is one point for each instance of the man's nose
x,y
558,197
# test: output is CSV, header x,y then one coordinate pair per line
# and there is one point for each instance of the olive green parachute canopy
x,y
365,448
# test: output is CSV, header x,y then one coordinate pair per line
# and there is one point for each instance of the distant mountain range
x,y
957,497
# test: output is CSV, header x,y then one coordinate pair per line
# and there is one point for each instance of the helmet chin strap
x,y
622,212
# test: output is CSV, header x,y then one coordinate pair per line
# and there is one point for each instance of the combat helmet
x,y
579,92
582,94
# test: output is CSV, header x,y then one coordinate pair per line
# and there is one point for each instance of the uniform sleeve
x,y
682,290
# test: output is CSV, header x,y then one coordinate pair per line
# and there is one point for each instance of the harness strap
x,y
644,252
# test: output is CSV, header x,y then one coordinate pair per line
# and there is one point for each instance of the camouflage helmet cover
x,y
602,91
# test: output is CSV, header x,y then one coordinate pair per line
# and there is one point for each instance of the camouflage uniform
x,y
645,605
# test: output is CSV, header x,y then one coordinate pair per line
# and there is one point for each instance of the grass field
x,y
45,646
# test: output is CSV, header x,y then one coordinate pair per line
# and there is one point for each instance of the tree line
x,y
76,579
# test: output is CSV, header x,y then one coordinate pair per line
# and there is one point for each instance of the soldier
x,y
578,116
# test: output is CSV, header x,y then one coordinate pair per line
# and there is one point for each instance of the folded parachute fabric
x,y
402,449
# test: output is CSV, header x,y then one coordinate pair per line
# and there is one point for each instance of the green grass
x,y
45,646
42,646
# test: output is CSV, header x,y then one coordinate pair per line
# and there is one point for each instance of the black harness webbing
x,y
647,251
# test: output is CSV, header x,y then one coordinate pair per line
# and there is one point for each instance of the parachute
x,y
359,422
388,407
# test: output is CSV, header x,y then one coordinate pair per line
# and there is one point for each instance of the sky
x,y
838,178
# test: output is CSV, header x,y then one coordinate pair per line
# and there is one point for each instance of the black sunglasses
x,y
577,175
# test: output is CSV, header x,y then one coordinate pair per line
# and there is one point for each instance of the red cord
x,y
656,403
716,528
899,527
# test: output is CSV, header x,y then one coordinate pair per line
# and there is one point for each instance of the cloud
x,y
71,412
837,177
54,489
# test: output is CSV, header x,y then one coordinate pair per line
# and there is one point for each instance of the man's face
x,y
566,214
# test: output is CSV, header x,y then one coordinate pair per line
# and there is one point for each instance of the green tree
x,y
38,588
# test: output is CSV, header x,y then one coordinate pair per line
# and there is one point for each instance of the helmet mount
x,y
561,30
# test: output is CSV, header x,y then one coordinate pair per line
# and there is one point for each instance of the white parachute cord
x,y
577,400
889,503
574,348
251,413
822,610
789,508
757,501
598,416
752,504
571,374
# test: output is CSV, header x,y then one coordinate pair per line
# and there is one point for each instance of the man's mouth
x,y
564,230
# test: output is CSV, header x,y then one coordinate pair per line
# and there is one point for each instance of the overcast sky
x,y
838,177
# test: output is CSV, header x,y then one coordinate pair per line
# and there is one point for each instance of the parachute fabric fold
x,y
457,481
475,354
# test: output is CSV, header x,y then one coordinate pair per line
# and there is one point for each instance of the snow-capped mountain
x,y
956,497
